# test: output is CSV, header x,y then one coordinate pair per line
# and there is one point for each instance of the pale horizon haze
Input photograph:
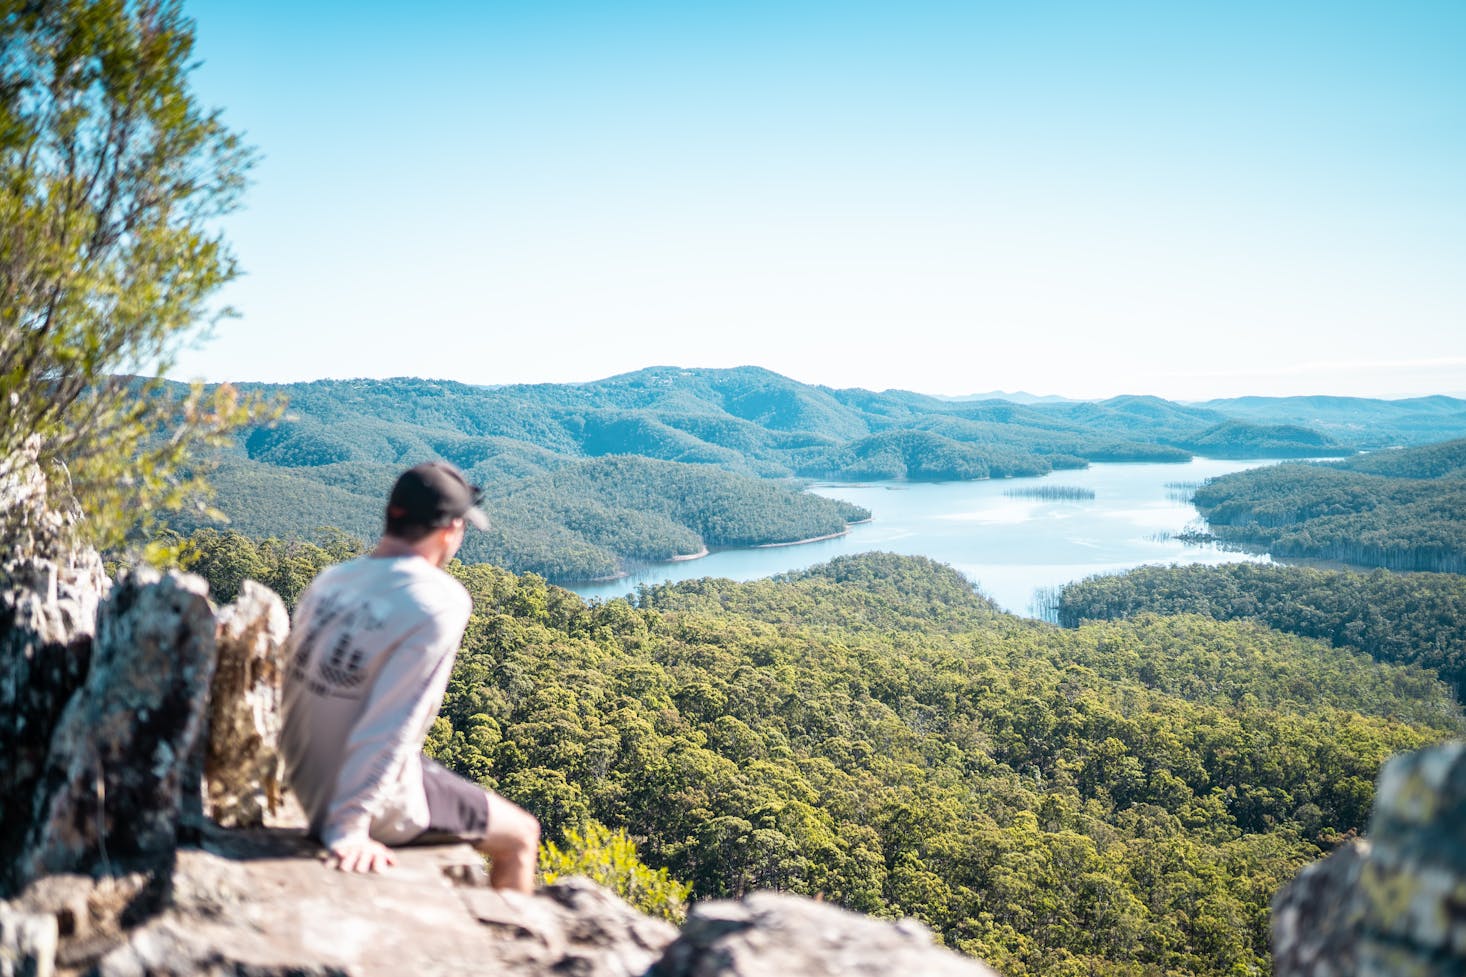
x,y
1084,199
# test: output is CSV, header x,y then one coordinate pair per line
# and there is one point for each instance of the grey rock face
x,y
242,763
48,604
774,935
43,661
1396,906
262,903
115,779
1315,925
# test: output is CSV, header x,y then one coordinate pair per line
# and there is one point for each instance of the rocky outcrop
x,y
1394,906
48,606
44,655
260,903
242,762
116,780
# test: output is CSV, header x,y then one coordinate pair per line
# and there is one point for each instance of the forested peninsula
x,y
1403,509
584,480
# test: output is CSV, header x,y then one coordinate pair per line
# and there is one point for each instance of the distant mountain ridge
x,y
330,460
1356,420
1017,396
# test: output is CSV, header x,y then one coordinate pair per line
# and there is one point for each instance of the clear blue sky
x,y
1190,199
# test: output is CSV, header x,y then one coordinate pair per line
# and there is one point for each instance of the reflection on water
x,y
998,515
1015,550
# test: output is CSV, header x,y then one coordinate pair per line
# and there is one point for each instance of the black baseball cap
x,y
434,494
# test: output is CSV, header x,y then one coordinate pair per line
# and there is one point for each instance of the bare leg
x,y
512,845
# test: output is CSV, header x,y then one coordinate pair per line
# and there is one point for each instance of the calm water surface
x,y
1010,546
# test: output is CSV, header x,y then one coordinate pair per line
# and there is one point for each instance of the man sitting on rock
x,y
368,662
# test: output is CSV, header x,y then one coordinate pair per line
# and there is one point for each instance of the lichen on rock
x,y
1394,906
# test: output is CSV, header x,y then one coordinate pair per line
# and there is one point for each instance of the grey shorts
x,y
458,809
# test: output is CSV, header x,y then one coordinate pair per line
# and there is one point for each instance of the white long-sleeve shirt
x,y
366,667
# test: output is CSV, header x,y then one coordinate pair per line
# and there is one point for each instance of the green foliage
x,y
111,177
609,858
1444,460
227,558
919,456
1404,618
1389,510
1123,798
583,520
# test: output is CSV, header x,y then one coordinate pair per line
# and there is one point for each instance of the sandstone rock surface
x,y
242,763
769,934
262,903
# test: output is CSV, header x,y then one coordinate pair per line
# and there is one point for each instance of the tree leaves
x,y
110,176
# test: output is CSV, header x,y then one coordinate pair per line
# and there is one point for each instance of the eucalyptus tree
x,y
112,180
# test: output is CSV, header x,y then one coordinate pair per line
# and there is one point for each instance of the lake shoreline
x,y
1009,547
704,552
801,542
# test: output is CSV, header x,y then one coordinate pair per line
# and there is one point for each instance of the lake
x,y
1010,545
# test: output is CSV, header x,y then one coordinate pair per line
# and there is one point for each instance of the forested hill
x,y
1357,421
542,450
1405,618
1403,509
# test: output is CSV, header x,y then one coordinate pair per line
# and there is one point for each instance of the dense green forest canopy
x,y
1119,799
1403,509
1405,618
545,452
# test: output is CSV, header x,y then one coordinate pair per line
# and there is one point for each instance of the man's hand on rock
x,y
360,855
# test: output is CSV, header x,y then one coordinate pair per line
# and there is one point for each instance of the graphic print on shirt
x,y
339,670
343,668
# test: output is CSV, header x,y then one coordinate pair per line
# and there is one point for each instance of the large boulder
x,y
1396,905
116,778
